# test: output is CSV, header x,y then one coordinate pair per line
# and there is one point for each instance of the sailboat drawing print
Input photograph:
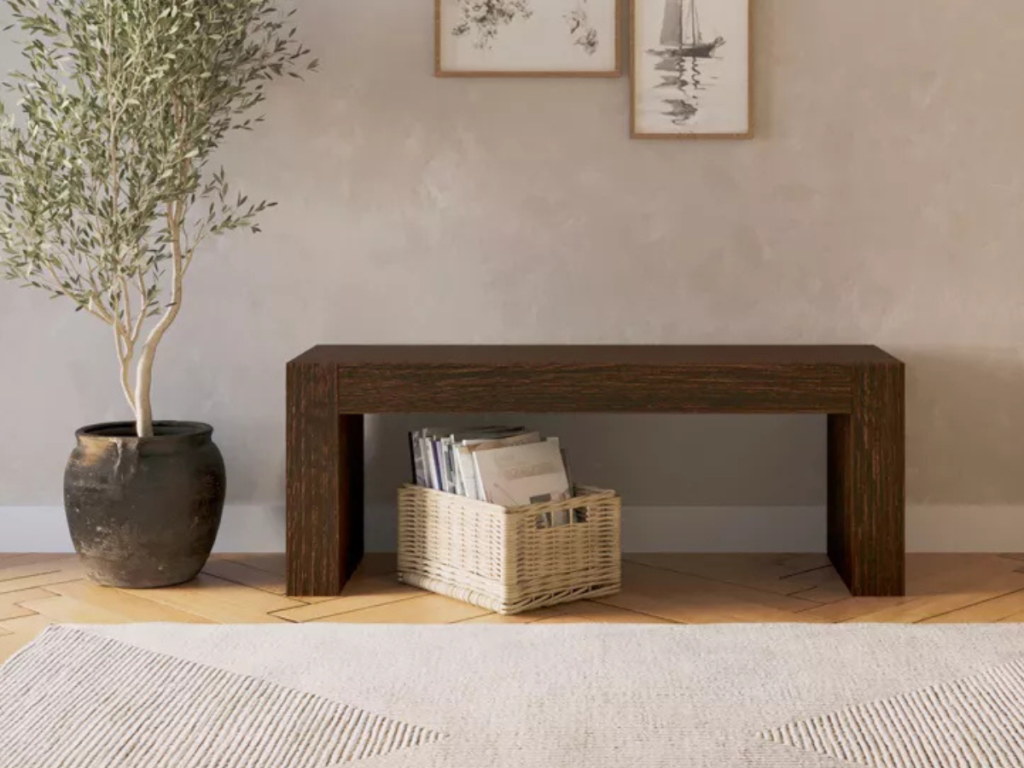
x,y
691,68
528,37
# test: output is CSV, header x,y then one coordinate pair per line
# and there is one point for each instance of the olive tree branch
x,y
122,106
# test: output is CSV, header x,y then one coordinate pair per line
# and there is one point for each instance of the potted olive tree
x,y
108,193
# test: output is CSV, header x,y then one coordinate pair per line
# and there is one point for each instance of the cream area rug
x,y
314,696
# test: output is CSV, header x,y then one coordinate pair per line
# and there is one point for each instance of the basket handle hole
x,y
545,520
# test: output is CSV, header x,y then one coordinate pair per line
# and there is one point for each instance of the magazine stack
x,y
493,518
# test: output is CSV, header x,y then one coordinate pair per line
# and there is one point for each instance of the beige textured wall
x,y
882,201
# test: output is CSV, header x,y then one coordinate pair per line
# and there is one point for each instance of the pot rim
x,y
175,430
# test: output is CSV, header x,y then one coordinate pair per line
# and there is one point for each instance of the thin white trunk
x,y
144,370
126,386
143,385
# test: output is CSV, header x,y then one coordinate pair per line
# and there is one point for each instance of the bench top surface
x,y
585,355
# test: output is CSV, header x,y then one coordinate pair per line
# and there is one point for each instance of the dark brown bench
x,y
860,388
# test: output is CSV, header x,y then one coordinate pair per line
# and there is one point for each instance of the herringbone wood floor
x,y
37,590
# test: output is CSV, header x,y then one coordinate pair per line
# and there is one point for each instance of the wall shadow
x,y
650,459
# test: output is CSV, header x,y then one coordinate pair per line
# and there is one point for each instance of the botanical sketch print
x,y
483,20
528,37
692,67
584,33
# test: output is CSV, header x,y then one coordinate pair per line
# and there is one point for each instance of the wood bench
x,y
859,388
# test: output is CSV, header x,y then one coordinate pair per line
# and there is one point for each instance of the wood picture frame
x,y
611,18
689,52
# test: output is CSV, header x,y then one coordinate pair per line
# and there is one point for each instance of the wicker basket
x,y
510,560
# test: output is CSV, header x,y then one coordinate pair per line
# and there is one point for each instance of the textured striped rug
x,y
162,696
78,700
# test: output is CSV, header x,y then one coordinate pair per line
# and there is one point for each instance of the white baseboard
x,y
965,528
933,528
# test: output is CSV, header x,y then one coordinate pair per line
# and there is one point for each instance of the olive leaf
x,y
106,183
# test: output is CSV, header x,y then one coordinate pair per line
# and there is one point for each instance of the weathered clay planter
x,y
144,512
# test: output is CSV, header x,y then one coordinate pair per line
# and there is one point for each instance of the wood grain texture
x,y
659,588
639,355
866,523
859,387
314,477
550,388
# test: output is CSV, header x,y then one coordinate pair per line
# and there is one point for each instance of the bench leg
x,y
324,484
866,527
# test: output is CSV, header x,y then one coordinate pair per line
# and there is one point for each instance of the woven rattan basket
x,y
510,560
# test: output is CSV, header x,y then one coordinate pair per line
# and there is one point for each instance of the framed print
x,y
691,69
516,38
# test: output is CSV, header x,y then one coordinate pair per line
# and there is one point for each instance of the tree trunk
x,y
143,387
144,372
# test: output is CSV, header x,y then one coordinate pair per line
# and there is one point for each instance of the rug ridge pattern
x,y
182,713
973,722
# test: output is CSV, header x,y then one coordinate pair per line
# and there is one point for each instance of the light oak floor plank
x,y
757,571
67,610
40,580
360,593
531,617
916,611
990,610
16,633
125,604
38,590
11,602
853,608
11,644
221,601
589,612
820,585
245,574
936,585
269,570
29,626
427,609
690,599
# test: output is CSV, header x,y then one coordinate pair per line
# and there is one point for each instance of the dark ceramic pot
x,y
144,512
